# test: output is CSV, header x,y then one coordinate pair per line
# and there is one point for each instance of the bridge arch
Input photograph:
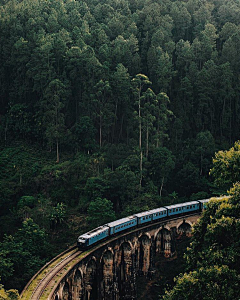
x,y
77,284
163,241
143,253
159,229
66,292
109,249
124,263
184,227
91,286
107,274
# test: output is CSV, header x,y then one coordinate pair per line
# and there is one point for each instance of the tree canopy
x,y
113,104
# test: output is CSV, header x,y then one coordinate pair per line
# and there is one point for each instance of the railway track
x,y
45,277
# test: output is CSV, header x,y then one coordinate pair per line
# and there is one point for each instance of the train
x,y
101,233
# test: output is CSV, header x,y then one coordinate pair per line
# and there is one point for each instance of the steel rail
x,y
51,274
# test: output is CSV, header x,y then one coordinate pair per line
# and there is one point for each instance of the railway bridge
x,y
108,271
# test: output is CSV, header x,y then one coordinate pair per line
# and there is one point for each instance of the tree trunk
x,y
5,135
57,152
147,142
100,131
157,144
160,192
141,159
140,134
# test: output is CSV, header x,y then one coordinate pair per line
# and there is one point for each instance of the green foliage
x,y
164,158
58,214
217,282
100,212
226,166
29,201
75,80
23,254
8,295
213,262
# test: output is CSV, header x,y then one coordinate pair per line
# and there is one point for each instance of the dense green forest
x,y
213,258
113,106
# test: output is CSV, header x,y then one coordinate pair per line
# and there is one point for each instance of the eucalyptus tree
x,y
53,113
139,82
121,86
103,108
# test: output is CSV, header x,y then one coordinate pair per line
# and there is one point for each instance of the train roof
x,y
149,212
214,198
204,200
157,210
181,204
120,221
93,232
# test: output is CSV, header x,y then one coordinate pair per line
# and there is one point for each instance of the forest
x,y
108,108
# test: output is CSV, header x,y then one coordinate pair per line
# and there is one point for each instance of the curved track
x,y
45,277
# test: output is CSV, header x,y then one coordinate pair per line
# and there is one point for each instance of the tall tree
x,y
53,117
139,81
103,108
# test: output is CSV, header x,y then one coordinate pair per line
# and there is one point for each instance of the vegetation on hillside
x,y
118,104
213,258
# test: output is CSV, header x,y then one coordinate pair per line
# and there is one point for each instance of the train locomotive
x,y
100,233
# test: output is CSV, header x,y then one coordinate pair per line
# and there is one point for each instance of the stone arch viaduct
x,y
108,272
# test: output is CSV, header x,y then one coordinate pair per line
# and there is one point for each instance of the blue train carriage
x,y
203,203
87,239
122,224
191,206
144,217
174,209
159,213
